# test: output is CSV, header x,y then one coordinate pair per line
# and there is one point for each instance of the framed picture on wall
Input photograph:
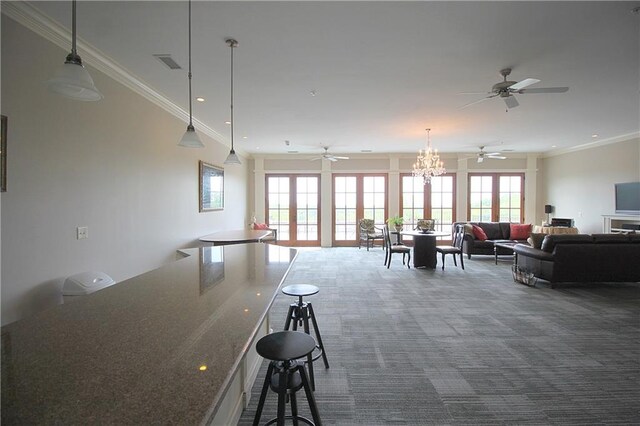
x,y
211,187
3,154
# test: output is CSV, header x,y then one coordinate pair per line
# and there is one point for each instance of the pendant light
x,y
232,158
72,79
190,139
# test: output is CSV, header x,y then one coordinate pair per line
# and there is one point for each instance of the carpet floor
x,y
453,347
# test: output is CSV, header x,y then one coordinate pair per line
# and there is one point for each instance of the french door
x,y
496,197
436,200
293,208
355,197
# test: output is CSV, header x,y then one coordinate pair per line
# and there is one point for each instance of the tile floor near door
x,y
454,347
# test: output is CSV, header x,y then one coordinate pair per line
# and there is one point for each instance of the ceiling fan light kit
x,y
72,79
190,139
232,158
428,164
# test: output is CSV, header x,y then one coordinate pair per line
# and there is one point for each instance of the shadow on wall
x,y
44,296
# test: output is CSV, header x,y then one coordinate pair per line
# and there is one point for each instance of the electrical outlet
x,y
82,232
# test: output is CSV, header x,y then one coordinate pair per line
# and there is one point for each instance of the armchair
x,y
369,232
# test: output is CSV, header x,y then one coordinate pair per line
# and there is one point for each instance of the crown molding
x,y
591,145
32,18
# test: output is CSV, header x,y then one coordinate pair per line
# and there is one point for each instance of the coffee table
x,y
508,245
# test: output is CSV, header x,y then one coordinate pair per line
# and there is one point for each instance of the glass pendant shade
x,y
73,81
190,139
232,158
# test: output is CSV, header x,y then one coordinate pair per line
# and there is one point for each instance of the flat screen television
x,y
628,198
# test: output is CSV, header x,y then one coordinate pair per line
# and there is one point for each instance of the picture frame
x,y
3,153
211,187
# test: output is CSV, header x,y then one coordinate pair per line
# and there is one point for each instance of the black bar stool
x,y
285,375
300,313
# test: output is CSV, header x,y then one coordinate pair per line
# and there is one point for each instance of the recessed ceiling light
x,y
365,150
200,99
313,93
244,137
553,146
227,122
594,135
292,152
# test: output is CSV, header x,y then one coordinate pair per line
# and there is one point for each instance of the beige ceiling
x,y
383,71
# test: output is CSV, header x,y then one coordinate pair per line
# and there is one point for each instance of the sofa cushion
x,y
519,231
610,238
479,233
468,229
505,230
260,226
492,230
535,239
550,241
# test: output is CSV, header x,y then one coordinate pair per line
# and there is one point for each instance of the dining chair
x,y
391,248
455,248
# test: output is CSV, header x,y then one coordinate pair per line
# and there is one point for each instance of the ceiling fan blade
x,y
496,157
524,83
478,101
334,159
474,93
490,154
511,101
546,90
315,158
340,158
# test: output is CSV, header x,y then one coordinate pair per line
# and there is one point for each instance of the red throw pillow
x,y
260,226
479,233
519,232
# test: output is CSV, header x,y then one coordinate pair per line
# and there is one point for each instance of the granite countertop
x,y
134,353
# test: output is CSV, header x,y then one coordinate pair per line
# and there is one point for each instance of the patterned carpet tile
x,y
432,347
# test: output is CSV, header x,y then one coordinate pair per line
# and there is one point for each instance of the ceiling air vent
x,y
168,61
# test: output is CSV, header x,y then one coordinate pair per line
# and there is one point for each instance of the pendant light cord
x,y
232,45
73,28
190,100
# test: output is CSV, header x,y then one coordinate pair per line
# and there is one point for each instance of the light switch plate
x,y
82,232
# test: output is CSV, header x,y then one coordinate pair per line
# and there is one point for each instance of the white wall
x,y
579,184
111,165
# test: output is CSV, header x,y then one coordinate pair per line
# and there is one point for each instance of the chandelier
x,y
428,163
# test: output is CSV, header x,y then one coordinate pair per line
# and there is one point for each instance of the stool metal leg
x,y
294,408
310,399
305,318
263,395
287,323
318,338
282,393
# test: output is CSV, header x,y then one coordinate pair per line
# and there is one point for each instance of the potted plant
x,y
396,221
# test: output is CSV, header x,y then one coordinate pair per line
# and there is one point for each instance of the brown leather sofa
x,y
583,258
496,231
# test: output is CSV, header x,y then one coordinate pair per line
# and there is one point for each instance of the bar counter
x,y
160,348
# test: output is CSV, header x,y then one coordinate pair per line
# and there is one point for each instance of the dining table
x,y
424,247
236,236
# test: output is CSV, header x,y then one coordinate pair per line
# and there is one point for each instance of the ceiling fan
x,y
506,89
493,155
326,156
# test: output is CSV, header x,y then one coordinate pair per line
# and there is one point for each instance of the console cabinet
x,y
614,223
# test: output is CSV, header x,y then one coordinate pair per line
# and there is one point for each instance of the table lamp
x,y
548,208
